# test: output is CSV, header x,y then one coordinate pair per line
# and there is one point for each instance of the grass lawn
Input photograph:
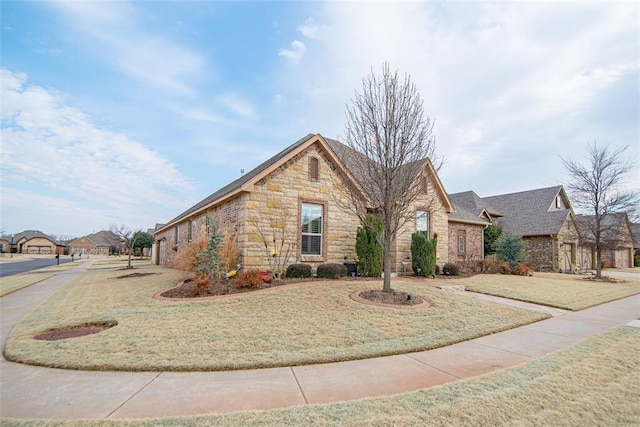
x,y
595,382
118,262
555,290
19,281
308,323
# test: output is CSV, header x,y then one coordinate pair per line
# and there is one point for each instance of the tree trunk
x,y
386,286
598,262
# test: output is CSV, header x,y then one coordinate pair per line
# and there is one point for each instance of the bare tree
x,y
598,190
279,239
390,144
128,237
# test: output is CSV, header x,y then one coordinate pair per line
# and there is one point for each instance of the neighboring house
x,y
5,244
635,230
34,242
546,222
466,228
101,243
617,241
300,193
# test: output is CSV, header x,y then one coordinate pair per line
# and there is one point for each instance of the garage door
x,y
623,258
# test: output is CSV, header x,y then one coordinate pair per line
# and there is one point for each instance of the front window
x,y
422,223
311,229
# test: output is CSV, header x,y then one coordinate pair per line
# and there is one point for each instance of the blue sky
x,y
130,112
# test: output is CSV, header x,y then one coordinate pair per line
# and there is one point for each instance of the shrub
x,y
522,270
331,271
437,270
510,249
187,257
491,234
202,283
299,271
247,278
423,255
229,251
636,261
503,268
451,269
368,251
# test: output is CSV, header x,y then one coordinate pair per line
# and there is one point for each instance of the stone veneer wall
x,y
540,253
474,243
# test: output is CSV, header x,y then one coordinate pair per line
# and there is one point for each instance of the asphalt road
x,y
11,268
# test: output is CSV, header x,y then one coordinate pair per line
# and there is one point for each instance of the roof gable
x,y
533,212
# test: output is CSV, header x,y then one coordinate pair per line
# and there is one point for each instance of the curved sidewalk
x,y
36,392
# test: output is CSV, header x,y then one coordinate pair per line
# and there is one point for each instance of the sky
x,y
128,113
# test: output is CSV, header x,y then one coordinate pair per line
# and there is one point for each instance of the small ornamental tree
x,y
423,255
510,249
368,250
491,234
142,240
209,263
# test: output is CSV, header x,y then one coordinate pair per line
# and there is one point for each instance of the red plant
x,y
503,268
202,283
522,270
248,278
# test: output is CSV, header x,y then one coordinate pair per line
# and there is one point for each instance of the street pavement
x,y
36,392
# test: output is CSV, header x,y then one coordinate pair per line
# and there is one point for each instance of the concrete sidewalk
x,y
35,392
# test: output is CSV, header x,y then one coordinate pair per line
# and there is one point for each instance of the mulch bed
x,y
188,289
391,298
75,331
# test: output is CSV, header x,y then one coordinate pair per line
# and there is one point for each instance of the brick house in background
x,y
545,220
298,192
101,243
35,242
617,241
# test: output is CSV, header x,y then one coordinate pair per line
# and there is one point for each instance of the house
x,y
34,242
101,243
617,241
466,228
298,195
545,220
635,230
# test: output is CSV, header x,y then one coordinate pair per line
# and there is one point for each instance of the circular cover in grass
x,y
75,331
393,299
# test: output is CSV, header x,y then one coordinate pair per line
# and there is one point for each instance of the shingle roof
x,y
530,213
474,204
104,238
32,234
463,215
635,229
613,229
237,184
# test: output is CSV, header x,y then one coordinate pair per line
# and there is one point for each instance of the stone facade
x,y
271,207
554,253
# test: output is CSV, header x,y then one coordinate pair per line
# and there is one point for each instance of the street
x,y
11,268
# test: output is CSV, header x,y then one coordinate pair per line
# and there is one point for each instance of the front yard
x,y
570,292
313,322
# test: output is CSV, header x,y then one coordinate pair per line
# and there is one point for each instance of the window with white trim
x,y
462,242
311,221
422,223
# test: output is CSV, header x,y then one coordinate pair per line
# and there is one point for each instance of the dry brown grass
x,y
555,290
596,382
13,283
314,322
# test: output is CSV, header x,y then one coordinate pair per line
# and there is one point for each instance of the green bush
x,y
423,254
491,234
368,251
451,269
331,271
636,261
298,271
510,249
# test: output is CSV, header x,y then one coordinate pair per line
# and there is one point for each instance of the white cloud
x,y
311,29
115,35
295,53
237,105
505,82
49,143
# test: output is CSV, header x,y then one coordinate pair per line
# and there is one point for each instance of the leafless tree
x,y
391,148
599,191
279,239
127,236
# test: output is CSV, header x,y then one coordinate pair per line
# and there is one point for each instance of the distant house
x,y
101,243
34,242
617,241
546,222
298,193
635,230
